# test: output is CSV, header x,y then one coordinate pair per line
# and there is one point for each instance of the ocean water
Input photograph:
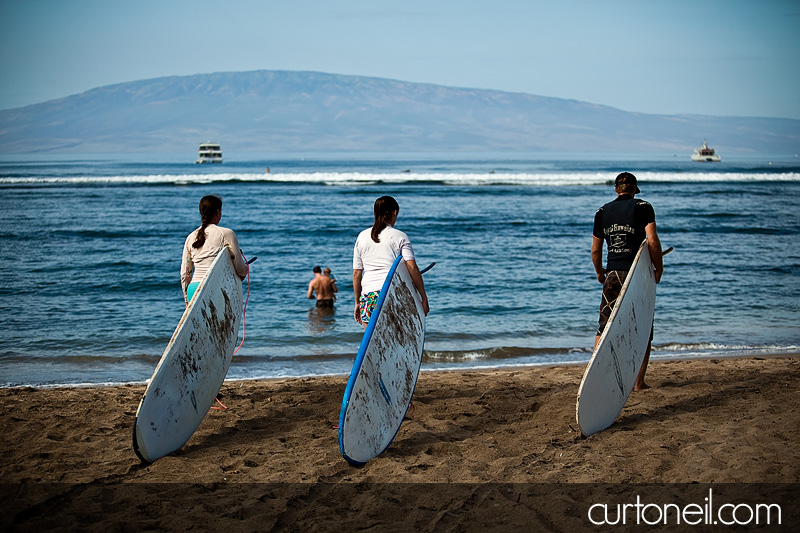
x,y
91,246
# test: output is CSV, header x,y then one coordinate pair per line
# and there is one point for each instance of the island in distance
x,y
291,111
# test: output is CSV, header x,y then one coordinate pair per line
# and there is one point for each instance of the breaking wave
x,y
358,178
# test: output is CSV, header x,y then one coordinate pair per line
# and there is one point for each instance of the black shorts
x,y
327,304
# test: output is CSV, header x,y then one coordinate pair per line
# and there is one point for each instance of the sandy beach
x,y
502,444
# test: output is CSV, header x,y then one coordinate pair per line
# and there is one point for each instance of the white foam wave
x,y
457,356
178,179
357,178
710,348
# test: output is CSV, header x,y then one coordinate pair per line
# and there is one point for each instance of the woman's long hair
x,y
385,206
209,206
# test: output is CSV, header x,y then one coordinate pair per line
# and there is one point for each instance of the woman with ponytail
x,y
375,251
202,245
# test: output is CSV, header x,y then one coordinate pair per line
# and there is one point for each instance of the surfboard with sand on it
x,y
611,373
192,369
385,370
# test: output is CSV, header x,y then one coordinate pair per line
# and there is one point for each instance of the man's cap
x,y
626,178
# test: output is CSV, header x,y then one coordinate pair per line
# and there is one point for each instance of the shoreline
x,y
423,370
501,440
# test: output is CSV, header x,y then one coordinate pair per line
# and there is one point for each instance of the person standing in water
x,y
324,287
202,245
374,254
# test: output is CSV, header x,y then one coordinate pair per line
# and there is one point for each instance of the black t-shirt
x,y
621,224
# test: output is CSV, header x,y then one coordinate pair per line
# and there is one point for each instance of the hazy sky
x,y
715,57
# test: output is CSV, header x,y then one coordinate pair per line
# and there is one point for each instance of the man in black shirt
x,y
623,223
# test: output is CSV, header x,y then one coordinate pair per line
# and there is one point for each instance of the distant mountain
x,y
274,111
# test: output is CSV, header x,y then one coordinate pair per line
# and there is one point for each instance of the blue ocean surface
x,y
91,248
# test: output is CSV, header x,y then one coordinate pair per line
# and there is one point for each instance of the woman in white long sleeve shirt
x,y
202,245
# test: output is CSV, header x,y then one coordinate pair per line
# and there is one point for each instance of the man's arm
x,y
654,247
597,259
311,289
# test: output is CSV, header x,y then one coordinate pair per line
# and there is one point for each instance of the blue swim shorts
x,y
190,290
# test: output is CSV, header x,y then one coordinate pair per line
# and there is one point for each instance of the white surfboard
x,y
193,367
611,374
385,371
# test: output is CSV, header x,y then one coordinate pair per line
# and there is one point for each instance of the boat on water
x,y
209,153
705,154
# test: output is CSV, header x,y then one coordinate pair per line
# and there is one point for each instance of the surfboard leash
x,y
244,310
219,402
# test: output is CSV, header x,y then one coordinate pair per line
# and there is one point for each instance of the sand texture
x,y
473,443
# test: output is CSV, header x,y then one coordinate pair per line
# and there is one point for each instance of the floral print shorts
x,y
366,304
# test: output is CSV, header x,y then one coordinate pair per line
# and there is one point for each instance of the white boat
x,y
705,154
209,153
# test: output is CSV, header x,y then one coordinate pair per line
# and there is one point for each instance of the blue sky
x,y
715,57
